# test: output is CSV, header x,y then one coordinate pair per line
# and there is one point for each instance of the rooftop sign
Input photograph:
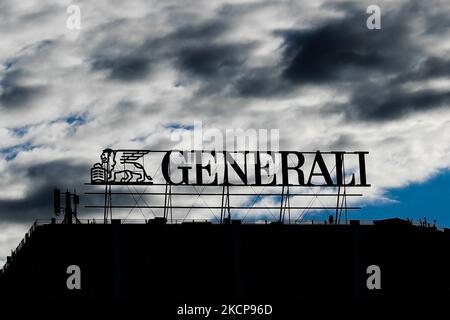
x,y
238,168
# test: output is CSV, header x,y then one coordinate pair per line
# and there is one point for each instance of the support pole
x,y
281,219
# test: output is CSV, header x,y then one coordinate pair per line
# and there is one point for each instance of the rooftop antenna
x,y
69,198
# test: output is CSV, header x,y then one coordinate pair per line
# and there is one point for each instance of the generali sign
x,y
239,168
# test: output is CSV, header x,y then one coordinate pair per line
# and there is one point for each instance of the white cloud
x,y
10,237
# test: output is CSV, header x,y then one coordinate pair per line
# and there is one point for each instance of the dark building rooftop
x,y
211,262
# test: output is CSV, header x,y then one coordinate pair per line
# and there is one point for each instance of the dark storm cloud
x,y
428,68
214,66
373,106
191,33
200,55
126,63
114,55
126,68
194,49
334,52
262,82
346,50
14,94
211,60
438,24
17,96
38,203
346,54
433,21
341,52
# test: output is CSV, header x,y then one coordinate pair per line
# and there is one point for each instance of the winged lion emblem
x,y
121,166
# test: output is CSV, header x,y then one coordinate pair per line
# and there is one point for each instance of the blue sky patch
x,y
11,152
76,119
19,132
179,126
416,201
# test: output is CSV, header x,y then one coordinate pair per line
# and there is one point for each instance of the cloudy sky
x,y
138,70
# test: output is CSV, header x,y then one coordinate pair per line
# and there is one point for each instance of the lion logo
x,y
126,169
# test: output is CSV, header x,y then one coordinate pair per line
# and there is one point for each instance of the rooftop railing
x,y
41,222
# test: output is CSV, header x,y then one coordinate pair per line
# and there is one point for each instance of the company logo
x,y
241,168
123,166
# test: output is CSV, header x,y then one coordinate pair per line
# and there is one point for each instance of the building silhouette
x,y
200,261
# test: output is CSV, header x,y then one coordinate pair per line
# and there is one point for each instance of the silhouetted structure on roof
x,y
218,262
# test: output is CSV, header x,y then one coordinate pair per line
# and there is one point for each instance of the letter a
x,y
74,20
374,280
74,280
374,20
